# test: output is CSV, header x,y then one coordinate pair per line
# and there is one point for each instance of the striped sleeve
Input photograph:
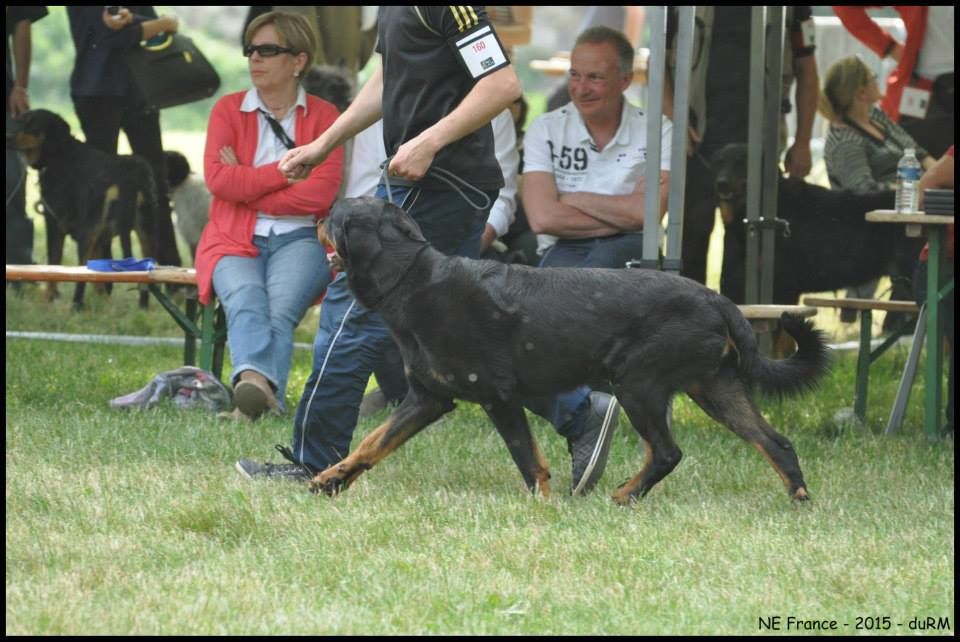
x,y
848,168
899,134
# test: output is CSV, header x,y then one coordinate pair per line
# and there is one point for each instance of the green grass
x,y
137,523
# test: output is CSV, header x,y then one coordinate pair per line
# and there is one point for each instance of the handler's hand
x,y
297,163
797,161
413,159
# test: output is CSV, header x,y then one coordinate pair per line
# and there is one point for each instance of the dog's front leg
x,y
512,425
415,413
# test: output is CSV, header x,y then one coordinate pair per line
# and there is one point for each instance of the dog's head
x,y
730,182
38,134
374,241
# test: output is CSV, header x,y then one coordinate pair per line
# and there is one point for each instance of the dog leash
x,y
447,177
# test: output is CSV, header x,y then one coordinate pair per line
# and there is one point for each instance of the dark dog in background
x,y
87,194
496,334
190,197
826,245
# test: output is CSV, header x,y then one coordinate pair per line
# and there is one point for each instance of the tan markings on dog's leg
x,y
624,495
730,346
727,212
110,195
542,474
405,422
800,493
353,465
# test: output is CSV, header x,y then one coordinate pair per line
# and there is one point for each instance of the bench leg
x,y
863,365
213,335
909,374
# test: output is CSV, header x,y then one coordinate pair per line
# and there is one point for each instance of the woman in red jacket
x,y
259,250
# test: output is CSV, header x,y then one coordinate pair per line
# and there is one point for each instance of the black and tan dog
x,y
87,194
826,242
495,334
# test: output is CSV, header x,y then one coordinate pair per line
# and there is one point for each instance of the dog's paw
x,y
330,482
801,495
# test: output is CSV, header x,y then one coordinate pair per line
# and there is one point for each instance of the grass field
x,y
137,523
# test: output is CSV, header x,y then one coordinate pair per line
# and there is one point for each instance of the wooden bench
x,y
209,324
764,317
866,355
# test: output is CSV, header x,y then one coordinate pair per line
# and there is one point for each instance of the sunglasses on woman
x,y
266,51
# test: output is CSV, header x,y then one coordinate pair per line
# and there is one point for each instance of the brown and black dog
x,y
495,334
87,194
826,242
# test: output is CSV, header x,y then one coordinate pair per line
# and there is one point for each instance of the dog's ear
x,y
56,130
403,222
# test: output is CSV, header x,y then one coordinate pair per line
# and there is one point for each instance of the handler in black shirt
x,y
443,78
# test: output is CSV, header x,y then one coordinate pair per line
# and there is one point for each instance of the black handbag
x,y
169,70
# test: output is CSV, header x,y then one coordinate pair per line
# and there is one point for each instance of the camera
x,y
114,11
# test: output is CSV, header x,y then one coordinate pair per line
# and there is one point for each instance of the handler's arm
x,y
365,110
490,96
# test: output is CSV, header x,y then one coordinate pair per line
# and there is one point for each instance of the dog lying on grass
x,y
87,194
496,334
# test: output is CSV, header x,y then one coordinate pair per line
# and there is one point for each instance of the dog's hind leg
x,y
512,425
416,412
647,406
727,401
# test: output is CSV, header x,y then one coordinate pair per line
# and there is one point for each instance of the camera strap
x,y
278,130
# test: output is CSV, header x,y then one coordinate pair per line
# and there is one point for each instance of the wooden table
x,y
935,228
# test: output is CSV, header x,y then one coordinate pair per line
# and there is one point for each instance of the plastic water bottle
x,y
908,175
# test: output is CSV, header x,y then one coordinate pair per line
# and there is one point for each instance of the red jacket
x,y
240,191
858,23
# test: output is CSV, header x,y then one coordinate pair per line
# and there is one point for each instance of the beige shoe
x,y
253,394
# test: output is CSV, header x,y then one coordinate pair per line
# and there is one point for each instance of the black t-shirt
x,y
430,63
728,77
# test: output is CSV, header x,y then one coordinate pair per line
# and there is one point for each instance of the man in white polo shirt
x,y
584,163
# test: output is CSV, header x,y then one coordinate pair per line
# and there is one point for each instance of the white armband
x,y
481,52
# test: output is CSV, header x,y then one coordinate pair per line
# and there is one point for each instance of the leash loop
x,y
448,177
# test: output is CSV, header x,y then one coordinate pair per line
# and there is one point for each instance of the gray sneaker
x,y
590,449
293,471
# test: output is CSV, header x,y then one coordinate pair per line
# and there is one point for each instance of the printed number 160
x,y
480,46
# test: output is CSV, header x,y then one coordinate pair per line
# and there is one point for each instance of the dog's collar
x,y
400,278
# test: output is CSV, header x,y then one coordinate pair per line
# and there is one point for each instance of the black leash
x,y
447,177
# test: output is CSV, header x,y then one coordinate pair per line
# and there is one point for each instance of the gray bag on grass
x,y
189,387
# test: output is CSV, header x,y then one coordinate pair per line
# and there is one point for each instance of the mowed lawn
x,y
137,522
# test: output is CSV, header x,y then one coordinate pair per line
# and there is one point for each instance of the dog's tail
x,y
783,377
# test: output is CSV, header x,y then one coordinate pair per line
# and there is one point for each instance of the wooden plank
x,y
918,218
862,304
163,274
759,311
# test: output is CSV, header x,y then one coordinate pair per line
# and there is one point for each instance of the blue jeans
x,y
607,252
266,296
